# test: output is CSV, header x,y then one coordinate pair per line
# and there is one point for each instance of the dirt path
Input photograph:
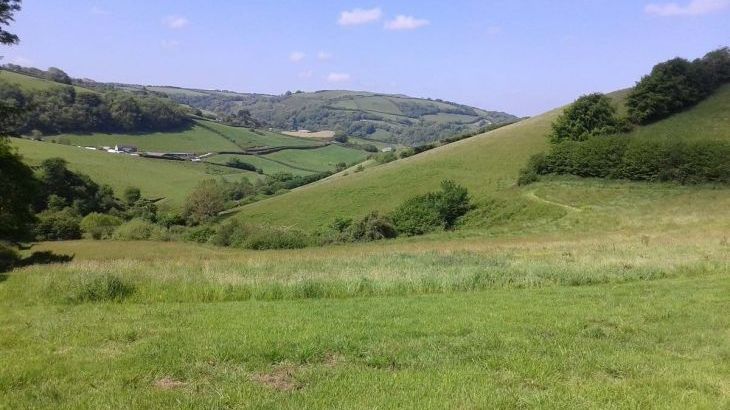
x,y
532,195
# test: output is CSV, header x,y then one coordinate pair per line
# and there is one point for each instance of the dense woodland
x,y
64,108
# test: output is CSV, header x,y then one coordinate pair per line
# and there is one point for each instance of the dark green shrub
x,y
535,166
56,226
199,234
372,227
453,201
265,237
134,230
100,226
418,215
590,115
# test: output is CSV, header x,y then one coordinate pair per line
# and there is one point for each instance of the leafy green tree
x,y
100,226
18,191
205,201
590,115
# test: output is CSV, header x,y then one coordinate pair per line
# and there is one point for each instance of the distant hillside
x,y
377,117
487,165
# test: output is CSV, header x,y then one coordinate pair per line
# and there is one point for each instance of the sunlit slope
x,y
171,180
486,164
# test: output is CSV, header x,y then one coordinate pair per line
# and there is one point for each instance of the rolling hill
x,y
374,116
488,165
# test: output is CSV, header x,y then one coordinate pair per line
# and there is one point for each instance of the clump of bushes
x,y
620,157
140,230
587,141
58,225
237,234
100,226
416,216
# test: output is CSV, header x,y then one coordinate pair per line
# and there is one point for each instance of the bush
x,y
371,228
240,235
206,200
199,234
135,230
418,215
8,258
59,225
590,115
100,226
535,166
432,211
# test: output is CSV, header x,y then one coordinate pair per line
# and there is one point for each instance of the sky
x,y
523,57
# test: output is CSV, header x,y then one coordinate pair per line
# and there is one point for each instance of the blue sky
x,y
523,57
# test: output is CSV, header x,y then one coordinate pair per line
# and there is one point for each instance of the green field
x,y
603,321
268,166
171,180
32,83
322,159
197,139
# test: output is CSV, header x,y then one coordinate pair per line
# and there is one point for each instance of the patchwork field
x,y
171,180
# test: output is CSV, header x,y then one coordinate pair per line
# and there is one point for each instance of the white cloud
x,y
98,11
176,22
296,56
324,56
305,74
405,23
693,8
338,77
170,44
359,16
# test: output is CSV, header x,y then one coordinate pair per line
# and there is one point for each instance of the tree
x,y
7,10
58,75
205,202
19,188
590,115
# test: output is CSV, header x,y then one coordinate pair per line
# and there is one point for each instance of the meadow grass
x,y
30,83
656,341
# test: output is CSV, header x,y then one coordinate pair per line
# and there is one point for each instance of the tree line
x,y
62,109
590,139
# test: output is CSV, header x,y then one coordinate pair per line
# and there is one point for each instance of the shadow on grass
x,y
44,258
36,258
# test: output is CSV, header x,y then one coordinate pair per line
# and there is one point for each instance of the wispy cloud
x,y
98,11
305,74
405,23
296,56
359,16
693,8
324,56
338,77
169,44
175,22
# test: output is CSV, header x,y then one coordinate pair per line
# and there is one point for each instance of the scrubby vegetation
x,y
589,139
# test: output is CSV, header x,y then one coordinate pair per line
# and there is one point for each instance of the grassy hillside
x,y
487,165
33,83
156,178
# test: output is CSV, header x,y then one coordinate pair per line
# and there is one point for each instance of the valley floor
x,y
577,320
